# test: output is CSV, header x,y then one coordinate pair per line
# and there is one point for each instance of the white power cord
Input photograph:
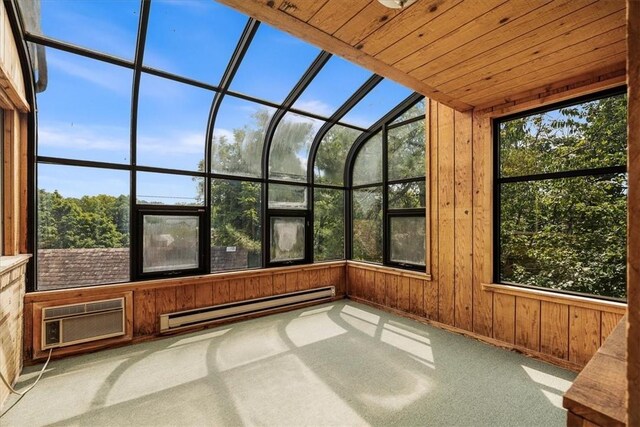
x,y
22,393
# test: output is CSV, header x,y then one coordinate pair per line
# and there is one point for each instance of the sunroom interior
x,y
374,212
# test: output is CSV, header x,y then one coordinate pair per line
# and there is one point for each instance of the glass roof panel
x,y
192,38
172,121
382,99
333,85
332,154
273,65
238,137
418,109
367,168
84,113
167,189
290,147
106,26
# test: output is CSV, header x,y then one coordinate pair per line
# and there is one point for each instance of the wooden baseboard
x,y
507,346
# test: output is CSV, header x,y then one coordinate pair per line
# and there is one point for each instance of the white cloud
x,y
223,133
315,106
80,137
176,143
101,76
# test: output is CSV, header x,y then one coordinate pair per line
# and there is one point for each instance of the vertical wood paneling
x,y
319,276
291,282
204,294
370,285
185,297
379,287
608,321
431,300
446,249
165,300
482,236
404,290
251,287
266,286
432,173
351,281
391,290
416,296
528,323
279,284
221,292
504,317
144,314
303,280
554,334
236,290
463,242
584,334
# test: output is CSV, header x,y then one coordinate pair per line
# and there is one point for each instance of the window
x,y
287,238
328,224
560,198
389,194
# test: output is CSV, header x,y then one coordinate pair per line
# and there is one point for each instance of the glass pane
x,y
367,168
166,189
328,224
289,151
408,240
332,154
172,121
583,136
417,110
86,23
567,234
287,196
273,65
334,84
192,38
236,225
84,113
83,226
406,151
407,195
287,238
367,224
238,137
170,242
382,99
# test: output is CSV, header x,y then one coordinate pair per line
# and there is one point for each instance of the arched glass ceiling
x,y
176,32
85,111
342,77
332,154
238,137
289,151
417,110
386,95
273,65
367,168
105,26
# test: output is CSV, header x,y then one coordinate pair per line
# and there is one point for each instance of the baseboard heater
x,y
217,313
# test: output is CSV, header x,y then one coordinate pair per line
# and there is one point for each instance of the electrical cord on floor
x,y
22,393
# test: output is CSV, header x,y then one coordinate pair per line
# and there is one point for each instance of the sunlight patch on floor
x,y
418,349
200,337
248,346
547,380
321,324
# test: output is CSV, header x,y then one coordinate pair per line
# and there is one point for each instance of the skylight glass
x,y
332,154
333,85
172,121
417,110
84,113
192,38
238,137
382,99
273,65
290,147
103,25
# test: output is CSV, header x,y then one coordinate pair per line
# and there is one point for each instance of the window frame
x,y
573,173
305,214
137,245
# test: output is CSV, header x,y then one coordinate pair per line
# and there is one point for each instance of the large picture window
x,y
560,199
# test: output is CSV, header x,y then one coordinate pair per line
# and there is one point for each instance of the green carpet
x,y
336,364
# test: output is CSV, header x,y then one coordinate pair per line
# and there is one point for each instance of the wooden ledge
x,y
390,270
573,300
8,263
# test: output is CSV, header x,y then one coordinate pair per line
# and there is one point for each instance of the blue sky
x,y
85,112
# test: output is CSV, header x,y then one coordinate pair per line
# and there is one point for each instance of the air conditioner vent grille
x,y
83,308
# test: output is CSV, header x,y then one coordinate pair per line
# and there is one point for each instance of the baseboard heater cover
x,y
216,313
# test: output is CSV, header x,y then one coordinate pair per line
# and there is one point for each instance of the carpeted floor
x,y
336,364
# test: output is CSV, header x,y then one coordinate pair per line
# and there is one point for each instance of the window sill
x,y
387,269
542,295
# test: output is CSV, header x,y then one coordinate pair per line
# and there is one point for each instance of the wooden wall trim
x,y
12,91
633,229
392,270
173,282
572,300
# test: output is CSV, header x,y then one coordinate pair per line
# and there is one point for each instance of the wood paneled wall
x,y
153,298
458,295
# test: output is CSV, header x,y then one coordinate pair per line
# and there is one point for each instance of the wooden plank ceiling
x,y
473,53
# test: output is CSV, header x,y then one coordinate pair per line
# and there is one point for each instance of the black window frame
x,y
305,214
137,245
574,173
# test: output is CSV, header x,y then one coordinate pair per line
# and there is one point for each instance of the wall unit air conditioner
x,y
70,324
